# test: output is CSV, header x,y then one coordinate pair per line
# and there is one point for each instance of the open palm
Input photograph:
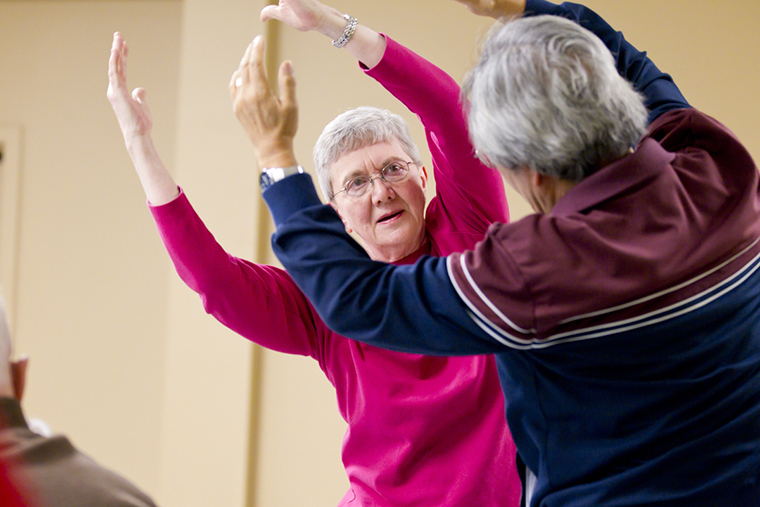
x,y
131,110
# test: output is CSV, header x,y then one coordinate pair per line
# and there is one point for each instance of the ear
x,y
537,178
424,177
345,224
18,372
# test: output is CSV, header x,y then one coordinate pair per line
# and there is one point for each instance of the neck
x,y
391,254
553,190
11,415
561,188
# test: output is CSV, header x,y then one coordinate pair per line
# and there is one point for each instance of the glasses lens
x,y
358,186
395,171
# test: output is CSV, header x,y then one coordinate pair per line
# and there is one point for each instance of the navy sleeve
x,y
412,308
660,92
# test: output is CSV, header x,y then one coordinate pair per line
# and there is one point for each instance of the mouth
x,y
390,218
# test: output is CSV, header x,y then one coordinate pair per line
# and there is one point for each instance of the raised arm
x,y
365,44
261,303
361,299
344,266
471,193
136,123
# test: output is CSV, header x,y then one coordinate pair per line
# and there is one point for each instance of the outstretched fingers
x,y
255,67
117,63
130,108
117,70
270,119
247,77
287,85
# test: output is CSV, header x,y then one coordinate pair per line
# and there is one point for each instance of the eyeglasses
x,y
360,185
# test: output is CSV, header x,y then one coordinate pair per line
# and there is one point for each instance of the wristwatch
x,y
271,175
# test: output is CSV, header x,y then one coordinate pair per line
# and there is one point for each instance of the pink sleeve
x,y
259,302
472,193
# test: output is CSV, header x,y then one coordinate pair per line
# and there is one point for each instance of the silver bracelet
x,y
348,32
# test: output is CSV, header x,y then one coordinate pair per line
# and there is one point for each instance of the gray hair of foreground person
x,y
353,130
546,95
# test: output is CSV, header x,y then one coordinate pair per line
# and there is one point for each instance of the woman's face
x,y
390,218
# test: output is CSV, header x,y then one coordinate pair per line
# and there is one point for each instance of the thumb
x,y
269,12
139,95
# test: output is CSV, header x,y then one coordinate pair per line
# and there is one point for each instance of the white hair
x,y
546,95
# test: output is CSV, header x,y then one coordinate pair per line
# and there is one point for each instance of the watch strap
x,y
271,175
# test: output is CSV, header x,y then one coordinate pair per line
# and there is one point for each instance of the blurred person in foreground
x,y
48,471
422,431
624,314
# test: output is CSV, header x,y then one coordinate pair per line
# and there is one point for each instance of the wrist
x,y
348,31
332,25
278,160
278,153
138,142
141,150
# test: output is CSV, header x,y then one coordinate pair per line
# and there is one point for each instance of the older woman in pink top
x,y
422,431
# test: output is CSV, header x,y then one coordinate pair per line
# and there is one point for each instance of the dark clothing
x,y
50,472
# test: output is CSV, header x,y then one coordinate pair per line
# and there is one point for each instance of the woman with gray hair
x,y
422,431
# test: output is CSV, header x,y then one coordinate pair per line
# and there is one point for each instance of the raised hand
x,y
269,120
302,15
135,122
366,45
495,8
131,110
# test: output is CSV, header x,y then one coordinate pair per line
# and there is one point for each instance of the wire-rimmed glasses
x,y
391,173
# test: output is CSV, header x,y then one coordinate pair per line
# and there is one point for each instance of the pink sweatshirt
x,y
422,431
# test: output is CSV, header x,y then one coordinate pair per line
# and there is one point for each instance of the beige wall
x,y
91,292
123,358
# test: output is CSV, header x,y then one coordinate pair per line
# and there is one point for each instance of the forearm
x,y
158,184
424,89
405,308
259,302
473,193
365,45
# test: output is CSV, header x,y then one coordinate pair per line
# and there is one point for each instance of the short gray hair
x,y
545,94
353,130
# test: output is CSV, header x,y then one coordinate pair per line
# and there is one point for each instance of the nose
x,y
381,189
